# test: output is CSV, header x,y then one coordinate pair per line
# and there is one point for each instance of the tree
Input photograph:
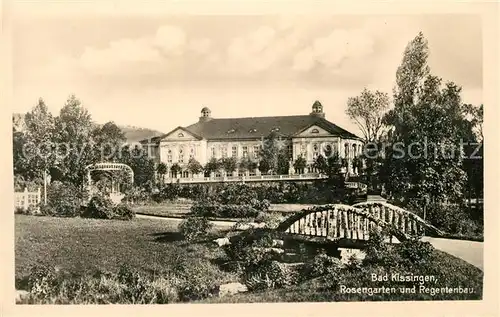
x,y
367,110
161,169
212,166
194,167
142,165
331,167
476,115
228,164
300,164
246,164
107,139
175,169
424,161
283,163
74,128
270,153
38,148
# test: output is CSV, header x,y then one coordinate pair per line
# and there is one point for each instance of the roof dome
x,y
205,109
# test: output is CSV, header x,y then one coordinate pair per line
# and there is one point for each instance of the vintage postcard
x,y
300,154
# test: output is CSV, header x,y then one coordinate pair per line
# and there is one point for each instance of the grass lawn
x,y
83,245
165,210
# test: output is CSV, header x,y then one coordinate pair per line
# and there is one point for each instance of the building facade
x,y
305,136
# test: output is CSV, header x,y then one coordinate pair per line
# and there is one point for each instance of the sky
x,y
159,71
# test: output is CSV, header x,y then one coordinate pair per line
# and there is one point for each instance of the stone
x,y
278,243
346,254
275,250
231,289
222,241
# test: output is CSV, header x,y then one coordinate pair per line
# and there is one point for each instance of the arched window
x,y
354,148
314,131
328,150
346,150
180,135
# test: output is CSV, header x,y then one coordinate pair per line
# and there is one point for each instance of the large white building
x,y
302,135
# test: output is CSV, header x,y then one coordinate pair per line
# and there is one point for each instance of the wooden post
x,y
346,226
25,197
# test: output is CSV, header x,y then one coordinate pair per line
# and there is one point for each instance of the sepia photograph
x,y
247,158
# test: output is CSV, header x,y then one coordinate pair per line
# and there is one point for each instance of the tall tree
x,y
107,141
39,148
424,161
367,110
74,128
142,165
272,149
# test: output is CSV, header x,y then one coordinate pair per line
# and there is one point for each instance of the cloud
x,y
142,55
330,51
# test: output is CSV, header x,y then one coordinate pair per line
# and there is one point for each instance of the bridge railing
x,y
406,221
334,222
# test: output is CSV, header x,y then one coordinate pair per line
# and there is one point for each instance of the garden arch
x,y
115,188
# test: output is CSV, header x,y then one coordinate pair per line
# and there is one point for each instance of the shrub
x,y
198,277
211,209
63,200
31,210
321,265
271,219
100,207
268,274
123,211
415,251
193,228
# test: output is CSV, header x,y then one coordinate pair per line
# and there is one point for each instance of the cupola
x,y
206,115
317,109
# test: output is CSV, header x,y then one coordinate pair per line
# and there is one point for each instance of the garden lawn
x,y
83,245
164,210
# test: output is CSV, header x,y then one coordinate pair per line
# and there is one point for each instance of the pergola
x,y
109,167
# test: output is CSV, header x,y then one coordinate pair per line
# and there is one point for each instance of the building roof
x,y
258,127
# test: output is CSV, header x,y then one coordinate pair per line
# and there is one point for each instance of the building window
x,y
185,174
328,150
212,149
303,150
181,156
315,151
314,131
354,150
346,150
256,151
224,151
169,156
234,151
245,151
192,154
180,135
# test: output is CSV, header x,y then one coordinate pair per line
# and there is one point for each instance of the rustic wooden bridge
x,y
350,226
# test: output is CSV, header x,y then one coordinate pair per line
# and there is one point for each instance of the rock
x,y
222,241
275,250
231,289
346,254
278,243
20,295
